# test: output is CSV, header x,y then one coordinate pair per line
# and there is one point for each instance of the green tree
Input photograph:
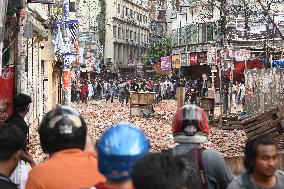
x,y
157,50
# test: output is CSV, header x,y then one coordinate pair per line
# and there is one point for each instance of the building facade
x,y
127,33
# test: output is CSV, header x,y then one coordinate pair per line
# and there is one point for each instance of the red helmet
x,y
190,125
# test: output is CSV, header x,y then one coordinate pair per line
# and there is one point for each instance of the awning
x,y
37,26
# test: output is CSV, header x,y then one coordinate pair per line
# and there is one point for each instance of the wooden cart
x,y
143,102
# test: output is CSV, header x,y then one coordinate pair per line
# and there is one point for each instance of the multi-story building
x,y
197,23
158,18
127,32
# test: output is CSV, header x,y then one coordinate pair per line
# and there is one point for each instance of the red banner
x,y
7,81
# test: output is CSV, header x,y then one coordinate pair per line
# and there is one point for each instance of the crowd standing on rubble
x,y
164,87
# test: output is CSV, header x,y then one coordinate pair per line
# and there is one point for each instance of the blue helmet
x,y
119,148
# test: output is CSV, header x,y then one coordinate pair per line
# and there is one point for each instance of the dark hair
x,y
12,139
21,102
159,171
251,149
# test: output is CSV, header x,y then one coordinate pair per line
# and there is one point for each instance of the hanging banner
x,y
66,79
166,63
211,56
176,61
184,61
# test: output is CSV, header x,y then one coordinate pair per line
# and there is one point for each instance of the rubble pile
x,y
100,115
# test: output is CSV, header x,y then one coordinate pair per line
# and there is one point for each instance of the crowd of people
x,y
164,87
121,158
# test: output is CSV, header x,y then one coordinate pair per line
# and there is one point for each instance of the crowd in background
x,y
164,87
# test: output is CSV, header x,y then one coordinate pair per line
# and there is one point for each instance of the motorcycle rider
x,y
119,148
190,129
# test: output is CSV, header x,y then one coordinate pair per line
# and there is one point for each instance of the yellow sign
x,y
176,63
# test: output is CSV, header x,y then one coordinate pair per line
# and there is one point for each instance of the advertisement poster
x,y
184,61
166,63
66,79
211,56
176,63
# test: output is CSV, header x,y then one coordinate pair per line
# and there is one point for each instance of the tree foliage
x,y
157,50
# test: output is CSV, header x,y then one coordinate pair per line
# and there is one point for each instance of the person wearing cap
x,y
119,148
63,135
21,104
190,129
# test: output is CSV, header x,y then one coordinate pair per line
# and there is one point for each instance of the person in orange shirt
x,y
63,134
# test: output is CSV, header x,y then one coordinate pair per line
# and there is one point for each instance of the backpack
x,y
196,176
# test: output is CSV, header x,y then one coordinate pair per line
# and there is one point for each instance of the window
x,y
131,13
126,11
123,10
194,34
138,37
127,34
210,32
134,36
123,33
119,32
114,31
145,38
131,33
202,33
138,16
118,8
72,7
141,38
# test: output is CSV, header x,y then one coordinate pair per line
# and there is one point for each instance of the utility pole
x,y
66,93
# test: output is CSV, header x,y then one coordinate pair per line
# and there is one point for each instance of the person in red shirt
x,y
119,148
84,92
150,85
